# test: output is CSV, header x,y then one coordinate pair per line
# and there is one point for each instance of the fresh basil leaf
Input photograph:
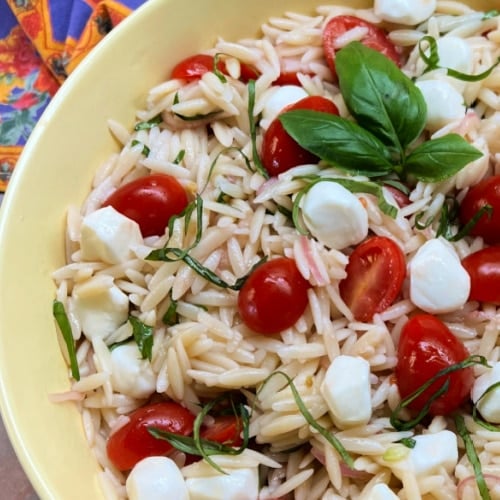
x,y
439,159
143,336
171,317
490,14
145,150
62,321
380,96
200,116
253,131
338,141
180,156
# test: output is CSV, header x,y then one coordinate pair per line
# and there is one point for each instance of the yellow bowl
x,y
55,170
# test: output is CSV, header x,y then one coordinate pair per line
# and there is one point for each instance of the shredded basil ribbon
x,y
154,122
472,456
143,336
179,157
202,447
253,130
490,14
448,216
351,185
170,317
145,150
432,62
390,114
216,70
482,423
402,425
62,320
329,436
172,254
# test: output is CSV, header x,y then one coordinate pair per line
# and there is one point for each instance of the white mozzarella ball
x,y
438,281
334,215
444,103
108,236
404,11
156,478
346,390
489,405
235,484
100,306
131,375
283,96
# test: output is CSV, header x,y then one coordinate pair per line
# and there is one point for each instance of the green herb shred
x,y
154,122
63,323
143,336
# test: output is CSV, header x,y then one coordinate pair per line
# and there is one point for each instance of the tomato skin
x,y
399,197
483,267
150,201
427,346
375,274
226,429
132,442
279,151
486,192
273,297
375,38
193,67
289,78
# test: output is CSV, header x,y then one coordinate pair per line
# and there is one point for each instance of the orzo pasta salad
x,y
285,284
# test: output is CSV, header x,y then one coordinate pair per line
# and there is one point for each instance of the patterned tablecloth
x,y
41,42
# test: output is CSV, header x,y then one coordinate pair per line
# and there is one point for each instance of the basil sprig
x,y
390,114
442,375
476,418
153,122
62,321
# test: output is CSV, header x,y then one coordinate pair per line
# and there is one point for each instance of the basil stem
x,y
253,130
472,456
479,421
196,445
154,122
402,425
329,436
465,231
62,321
143,336
145,150
432,62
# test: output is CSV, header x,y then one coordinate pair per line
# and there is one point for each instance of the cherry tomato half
x,y
486,192
193,67
427,346
375,274
289,78
279,151
375,38
150,201
273,297
132,442
483,267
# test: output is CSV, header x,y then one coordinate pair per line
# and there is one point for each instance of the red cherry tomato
x,y
427,346
248,73
289,78
375,38
132,442
375,274
225,429
483,267
193,67
150,201
279,151
273,297
486,192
